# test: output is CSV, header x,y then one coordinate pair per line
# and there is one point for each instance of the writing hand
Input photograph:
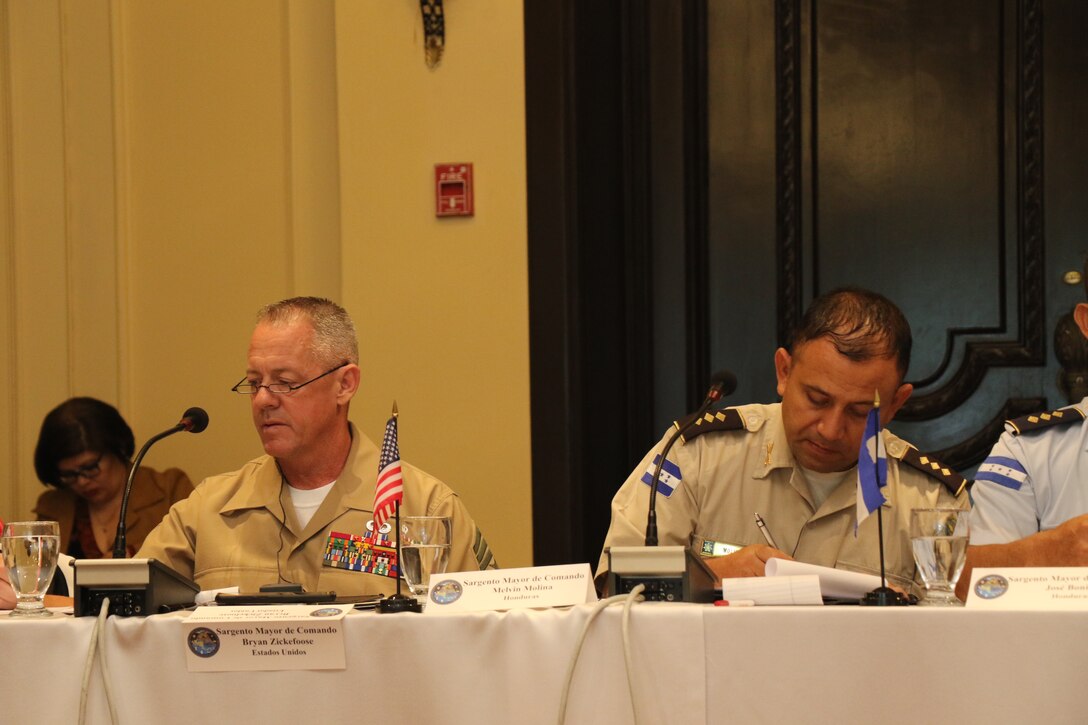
x,y
749,561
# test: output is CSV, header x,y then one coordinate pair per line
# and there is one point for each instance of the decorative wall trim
x,y
122,171
788,186
9,438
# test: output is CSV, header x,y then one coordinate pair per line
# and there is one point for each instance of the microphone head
x,y
723,383
194,420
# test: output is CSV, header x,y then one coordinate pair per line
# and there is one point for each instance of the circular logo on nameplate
x,y
203,642
991,586
325,612
447,591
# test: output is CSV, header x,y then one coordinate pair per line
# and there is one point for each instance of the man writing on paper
x,y
1030,496
302,513
795,462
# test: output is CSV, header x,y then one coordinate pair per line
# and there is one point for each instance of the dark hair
x,y
78,425
860,324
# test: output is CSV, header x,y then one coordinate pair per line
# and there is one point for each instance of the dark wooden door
x,y
701,169
925,149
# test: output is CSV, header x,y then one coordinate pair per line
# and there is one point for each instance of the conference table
x,y
693,664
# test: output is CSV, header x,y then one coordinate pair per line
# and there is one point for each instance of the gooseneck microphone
x,y
194,420
722,383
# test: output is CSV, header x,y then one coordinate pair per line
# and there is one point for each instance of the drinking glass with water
x,y
424,549
938,537
30,555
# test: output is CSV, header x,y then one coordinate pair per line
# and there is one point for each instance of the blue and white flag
x,y
1002,470
670,476
872,468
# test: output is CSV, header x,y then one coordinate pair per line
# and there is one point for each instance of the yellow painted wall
x,y
445,328
170,165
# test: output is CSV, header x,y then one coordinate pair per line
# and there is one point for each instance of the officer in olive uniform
x,y
795,462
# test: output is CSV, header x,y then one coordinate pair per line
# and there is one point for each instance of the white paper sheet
x,y
833,582
764,590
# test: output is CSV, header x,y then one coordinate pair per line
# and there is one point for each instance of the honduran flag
x,y
669,479
872,468
1002,470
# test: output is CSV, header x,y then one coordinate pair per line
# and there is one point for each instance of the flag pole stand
x,y
399,602
883,595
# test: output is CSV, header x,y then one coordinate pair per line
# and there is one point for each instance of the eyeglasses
x,y
244,387
88,471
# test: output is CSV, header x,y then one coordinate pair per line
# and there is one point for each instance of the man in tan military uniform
x,y
795,462
301,514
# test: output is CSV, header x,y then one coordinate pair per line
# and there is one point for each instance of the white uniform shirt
x,y
1031,482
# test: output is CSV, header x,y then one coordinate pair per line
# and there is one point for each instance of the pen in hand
x,y
765,531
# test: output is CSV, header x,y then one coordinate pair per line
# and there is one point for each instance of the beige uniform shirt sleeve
x,y
677,513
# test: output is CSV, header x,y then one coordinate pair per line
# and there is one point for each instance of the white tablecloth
x,y
695,664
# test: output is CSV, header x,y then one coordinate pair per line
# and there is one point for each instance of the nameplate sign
x,y
529,587
266,637
1029,588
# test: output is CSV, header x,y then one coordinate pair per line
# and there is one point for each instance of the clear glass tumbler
x,y
938,537
424,550
30,555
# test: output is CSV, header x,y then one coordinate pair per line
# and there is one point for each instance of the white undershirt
x,y
306,501
820,485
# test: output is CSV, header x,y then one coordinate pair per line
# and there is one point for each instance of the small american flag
x,y
389,490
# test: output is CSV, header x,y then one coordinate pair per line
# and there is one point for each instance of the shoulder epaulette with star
x,y
953,481
712,420
1039,421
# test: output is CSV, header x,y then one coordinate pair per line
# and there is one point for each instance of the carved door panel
x,y
924,149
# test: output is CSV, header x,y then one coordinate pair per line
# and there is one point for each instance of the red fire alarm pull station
x,y
453,189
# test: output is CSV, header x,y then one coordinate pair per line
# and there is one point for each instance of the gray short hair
x,y
334,332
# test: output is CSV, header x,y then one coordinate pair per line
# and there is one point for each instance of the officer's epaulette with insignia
x,y
1039,421
953,481
712,420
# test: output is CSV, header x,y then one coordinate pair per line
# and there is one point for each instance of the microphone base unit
x,y
669,573
135,587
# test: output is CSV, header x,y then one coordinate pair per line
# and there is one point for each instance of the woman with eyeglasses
x,y
83,455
